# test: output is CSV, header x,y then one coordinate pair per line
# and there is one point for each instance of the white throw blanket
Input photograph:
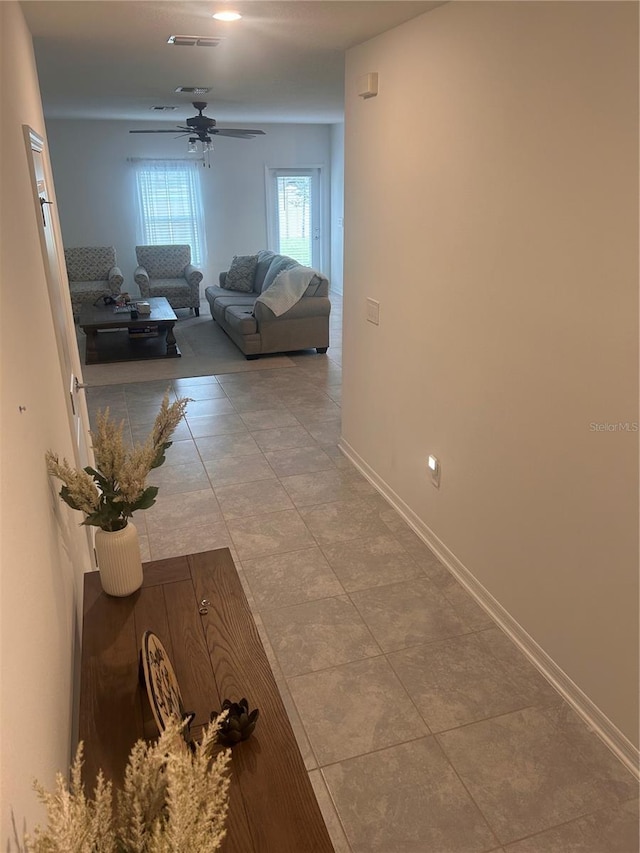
x,y
287,288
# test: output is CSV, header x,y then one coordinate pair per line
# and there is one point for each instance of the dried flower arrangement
x,y
174,798
111,492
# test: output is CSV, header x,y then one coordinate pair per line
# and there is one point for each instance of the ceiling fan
x,y
201,128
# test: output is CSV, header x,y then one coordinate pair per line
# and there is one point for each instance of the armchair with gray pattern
x,y
92,273
167,271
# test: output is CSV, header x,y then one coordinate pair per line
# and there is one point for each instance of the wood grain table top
x,y
216,655
106,317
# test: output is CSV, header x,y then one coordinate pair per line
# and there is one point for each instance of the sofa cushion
x,y
240,274
168,287
278,265
243,299
213,292
89,289
219,300
240,318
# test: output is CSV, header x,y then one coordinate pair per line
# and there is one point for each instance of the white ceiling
x,y
283,62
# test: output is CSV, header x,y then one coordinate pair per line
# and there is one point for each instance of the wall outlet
x,y
373,311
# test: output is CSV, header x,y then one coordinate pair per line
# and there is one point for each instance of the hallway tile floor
x,y
424,730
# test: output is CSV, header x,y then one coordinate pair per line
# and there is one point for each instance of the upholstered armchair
x,y
92,273
167,271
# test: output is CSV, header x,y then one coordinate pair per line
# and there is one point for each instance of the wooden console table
x,y
216,655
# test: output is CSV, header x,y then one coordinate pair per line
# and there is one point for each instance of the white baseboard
x,y
616,740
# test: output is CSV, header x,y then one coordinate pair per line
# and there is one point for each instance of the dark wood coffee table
x,y
148,336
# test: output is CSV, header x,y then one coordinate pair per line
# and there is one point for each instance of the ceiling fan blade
x,y
156,131
237,132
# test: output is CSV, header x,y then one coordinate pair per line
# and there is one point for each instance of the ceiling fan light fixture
x,y
227,15
202,128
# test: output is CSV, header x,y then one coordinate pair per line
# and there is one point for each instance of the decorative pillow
x,y
241,272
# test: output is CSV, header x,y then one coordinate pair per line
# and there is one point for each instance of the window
x,y
170,205
294,214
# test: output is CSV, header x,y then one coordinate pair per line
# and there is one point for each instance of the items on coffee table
x,y
127,341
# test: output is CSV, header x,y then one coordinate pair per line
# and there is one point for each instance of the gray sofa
x,y
255,328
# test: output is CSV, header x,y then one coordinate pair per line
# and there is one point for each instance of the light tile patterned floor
x,y
423,728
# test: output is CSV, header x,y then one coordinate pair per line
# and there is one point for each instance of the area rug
x,y
206,351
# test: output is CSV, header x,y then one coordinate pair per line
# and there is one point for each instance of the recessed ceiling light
x,y
227,16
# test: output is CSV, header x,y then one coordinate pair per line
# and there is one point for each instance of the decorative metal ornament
x,y
162,685
239,723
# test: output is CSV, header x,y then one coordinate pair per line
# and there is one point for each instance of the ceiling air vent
x,y
194,41
193,90
161,109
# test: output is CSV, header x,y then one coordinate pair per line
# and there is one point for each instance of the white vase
x,y
119,560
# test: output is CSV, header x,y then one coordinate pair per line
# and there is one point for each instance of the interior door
x,y
60,301
294,214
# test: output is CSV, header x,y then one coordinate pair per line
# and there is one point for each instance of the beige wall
x,y
492,209
42,549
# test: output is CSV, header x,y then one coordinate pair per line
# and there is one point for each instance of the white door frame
x,y
316,173
50,236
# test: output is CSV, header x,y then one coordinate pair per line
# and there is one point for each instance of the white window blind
x,y
294,217
294,213
170,205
